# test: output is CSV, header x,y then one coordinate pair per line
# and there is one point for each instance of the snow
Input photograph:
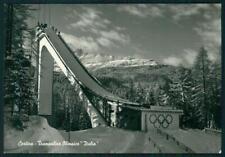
x,y
105,60
111,140
123,63
106,139
165,145
38,129
198,140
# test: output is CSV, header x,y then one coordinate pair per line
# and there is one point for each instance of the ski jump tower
x,y
101,105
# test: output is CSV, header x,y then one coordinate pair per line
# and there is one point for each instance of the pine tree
x,y
182,95
131,92
68,111
139,96
214,97
202,89
149,99
186,93
162,99
175,96
18,83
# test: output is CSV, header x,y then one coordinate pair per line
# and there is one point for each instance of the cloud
x,y
186,59
207,27
104,42
141,10
91,18
90,44
114,35
210,31
142,5
189,56
175,61
176,11
86,43
181,11
118,28
96,31
70,13
133,10
100,28
210,34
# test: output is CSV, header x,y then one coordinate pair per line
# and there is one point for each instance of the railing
x,y
213,131
155,145
180,144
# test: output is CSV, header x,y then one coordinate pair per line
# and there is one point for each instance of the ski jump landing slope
x,y
71,66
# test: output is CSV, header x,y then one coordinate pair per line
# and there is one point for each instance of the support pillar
x,y
105,109
45,82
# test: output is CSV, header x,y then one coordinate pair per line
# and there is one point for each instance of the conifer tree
x,y
202,89
215,94
139,96
131,92
175,96
162,99
18,82
186,93
149,99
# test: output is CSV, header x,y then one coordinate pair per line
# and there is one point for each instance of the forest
x,y
196,90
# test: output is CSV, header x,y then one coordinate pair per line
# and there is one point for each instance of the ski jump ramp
x,y
52,48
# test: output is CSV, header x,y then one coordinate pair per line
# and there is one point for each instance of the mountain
x,y
121,75
98,61
116,72
133,83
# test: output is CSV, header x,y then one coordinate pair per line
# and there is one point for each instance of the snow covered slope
x,y
104,60
104,140
26,141
96,140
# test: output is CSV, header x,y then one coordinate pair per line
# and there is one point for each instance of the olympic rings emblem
x,y
161,120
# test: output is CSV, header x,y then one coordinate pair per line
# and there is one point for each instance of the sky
x,y
168,33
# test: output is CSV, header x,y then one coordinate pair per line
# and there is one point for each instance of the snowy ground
x,y
38,129
104,140
110,140
98,140
198,140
